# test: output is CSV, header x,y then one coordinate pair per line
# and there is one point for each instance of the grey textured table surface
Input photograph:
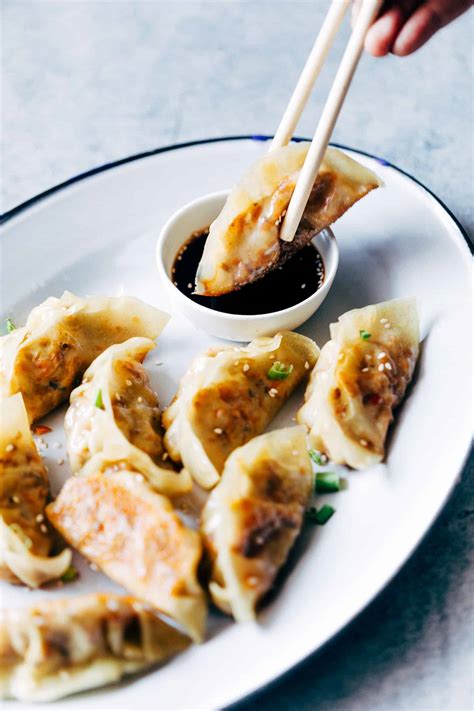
x,y
85,83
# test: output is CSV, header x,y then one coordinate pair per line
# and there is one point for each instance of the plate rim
x,y
24,206
110,165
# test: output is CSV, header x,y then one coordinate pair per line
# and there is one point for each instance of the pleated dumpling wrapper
x,y
136,538
26,540
114,420
46,358
244,240
361,376
229,395
253,517
61,647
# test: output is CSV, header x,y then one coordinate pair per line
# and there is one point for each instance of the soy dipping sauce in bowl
x,y
280,301
290,284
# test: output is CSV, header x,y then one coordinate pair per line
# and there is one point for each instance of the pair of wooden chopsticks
x,y
366,15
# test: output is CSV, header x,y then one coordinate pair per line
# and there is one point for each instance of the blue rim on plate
x,y
187,144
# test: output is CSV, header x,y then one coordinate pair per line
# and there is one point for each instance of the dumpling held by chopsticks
x,y
244,241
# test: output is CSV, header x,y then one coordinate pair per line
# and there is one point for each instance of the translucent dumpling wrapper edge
x,y
114,420
253,517
46,358
228,396
360,378
243,242
61,647
26,541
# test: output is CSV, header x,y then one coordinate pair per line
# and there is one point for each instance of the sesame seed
x,y
383,320
381,355
341,356
218,430
272,392
381,367
128,382
365,370
139,477
139,399
165,456
93,566
252,581
272,356
388,366
118,397
10,447
246,367
307,366
43,528
236,362
39,518
190,286
303,286
388,325
363,442
15,499
324,458
60,461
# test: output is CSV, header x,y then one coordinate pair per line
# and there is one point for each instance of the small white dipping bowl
x,y
198,215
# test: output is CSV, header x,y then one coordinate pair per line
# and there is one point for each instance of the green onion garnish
x,y
328,483
320,517
365,335
316,457
69,575
10,325
279,371
98,401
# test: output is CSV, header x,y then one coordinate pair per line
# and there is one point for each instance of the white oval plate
x,y
97,234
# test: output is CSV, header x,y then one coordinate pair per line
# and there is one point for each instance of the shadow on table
x,y
401,636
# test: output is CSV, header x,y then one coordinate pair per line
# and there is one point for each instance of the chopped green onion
x,y
365,335
69,575
279,371
10,325
98,401
320,517
328,483
316,456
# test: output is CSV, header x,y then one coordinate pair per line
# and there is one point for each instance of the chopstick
x,y
367,13
310,73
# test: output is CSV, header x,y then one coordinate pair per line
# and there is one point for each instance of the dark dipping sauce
x,y
297,279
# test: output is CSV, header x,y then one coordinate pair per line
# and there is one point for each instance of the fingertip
x,y
421,26
382,34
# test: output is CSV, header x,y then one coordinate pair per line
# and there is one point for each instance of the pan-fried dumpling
x,y
45,359
253,517
244,240
229,395
360,377
135,537
25,539
61,647
114,418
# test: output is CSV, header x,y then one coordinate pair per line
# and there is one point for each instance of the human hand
x,y
403,27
